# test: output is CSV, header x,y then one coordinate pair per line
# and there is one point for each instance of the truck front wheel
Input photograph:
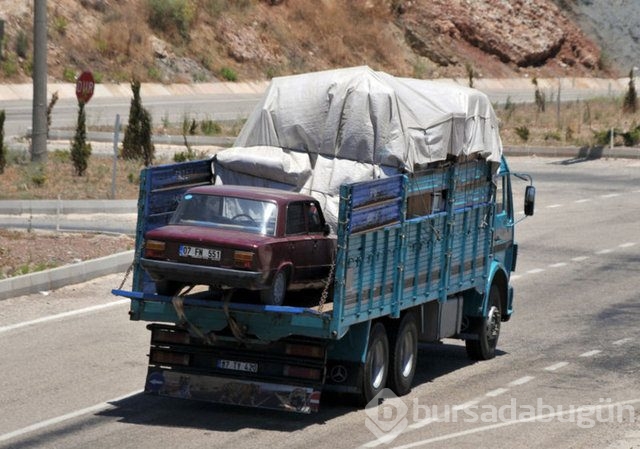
x,y
404,355
376,364
484,348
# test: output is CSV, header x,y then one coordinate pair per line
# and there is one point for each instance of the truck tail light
x,y
243,259
301,350
302,372
154,248
169,358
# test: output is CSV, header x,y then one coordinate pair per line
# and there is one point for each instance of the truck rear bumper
x,y
291,398
199,274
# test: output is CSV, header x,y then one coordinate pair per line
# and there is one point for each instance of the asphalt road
x,y
101,112
567,373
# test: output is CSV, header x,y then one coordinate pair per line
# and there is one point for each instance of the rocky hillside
x,y
204,40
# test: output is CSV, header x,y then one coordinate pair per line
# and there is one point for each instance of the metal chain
x,y
327,285
126,275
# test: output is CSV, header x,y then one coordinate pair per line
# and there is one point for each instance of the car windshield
x,y
240,214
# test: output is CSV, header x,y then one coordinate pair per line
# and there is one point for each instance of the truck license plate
x,y
200,253
238,366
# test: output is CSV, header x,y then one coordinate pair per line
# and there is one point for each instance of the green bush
x,y
523,133
553,135
80,148
604,137
210,128
632,137
167,15
9,66
228,74
137,136
22,44
69,75
630,104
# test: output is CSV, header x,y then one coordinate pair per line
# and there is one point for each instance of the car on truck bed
x,y
229,237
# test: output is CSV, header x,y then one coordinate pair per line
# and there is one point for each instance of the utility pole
x,y
39,119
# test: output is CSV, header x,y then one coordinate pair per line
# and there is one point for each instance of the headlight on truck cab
x,y
154,248
243,259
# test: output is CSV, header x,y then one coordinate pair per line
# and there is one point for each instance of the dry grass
x,y
573,124
57,179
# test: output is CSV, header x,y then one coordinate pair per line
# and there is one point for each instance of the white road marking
x,y
60,316
496,392
521,381
515,276
535,271
622,341
604,251
558,265
590,353
578,410
556,366
627,245
57,420
610,195
584,200
580,258
554,206
432,419
465,405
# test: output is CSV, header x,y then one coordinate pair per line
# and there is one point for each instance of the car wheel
x,y
275,293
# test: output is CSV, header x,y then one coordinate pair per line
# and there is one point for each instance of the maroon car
x,y
241,237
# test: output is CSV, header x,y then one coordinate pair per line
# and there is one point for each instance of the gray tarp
x,y
316,131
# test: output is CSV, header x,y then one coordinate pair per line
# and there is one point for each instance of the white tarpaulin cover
x,y
316,131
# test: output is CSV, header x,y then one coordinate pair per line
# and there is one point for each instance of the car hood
x,y
203,235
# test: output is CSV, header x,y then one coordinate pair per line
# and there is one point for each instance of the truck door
x,y
503,223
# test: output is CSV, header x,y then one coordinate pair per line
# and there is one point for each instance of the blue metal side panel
x,y
161,187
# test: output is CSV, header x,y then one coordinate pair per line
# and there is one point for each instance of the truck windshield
x,y
240,214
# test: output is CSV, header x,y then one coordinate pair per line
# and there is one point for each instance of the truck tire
x,y
484,348
275,293
404,355
376,364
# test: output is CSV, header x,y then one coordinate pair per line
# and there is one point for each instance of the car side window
x,y
295,219
315,220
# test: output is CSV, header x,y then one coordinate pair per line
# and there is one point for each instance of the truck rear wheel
x,y
376,364
404,355
484,348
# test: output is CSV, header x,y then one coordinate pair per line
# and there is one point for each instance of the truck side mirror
x,y
326,229
529,200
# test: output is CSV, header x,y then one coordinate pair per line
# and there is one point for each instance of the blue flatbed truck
x,y
420,257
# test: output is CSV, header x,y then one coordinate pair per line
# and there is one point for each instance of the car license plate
x,y
199,253
247,367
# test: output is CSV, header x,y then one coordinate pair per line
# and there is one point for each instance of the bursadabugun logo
x,y
386,416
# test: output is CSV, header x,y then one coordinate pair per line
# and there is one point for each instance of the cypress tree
x,y
80,149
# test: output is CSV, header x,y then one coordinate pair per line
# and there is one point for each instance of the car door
x,y
309,249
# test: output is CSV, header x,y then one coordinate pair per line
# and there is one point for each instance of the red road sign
x,y
84,87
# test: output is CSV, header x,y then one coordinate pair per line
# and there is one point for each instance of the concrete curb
x,y
66,275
